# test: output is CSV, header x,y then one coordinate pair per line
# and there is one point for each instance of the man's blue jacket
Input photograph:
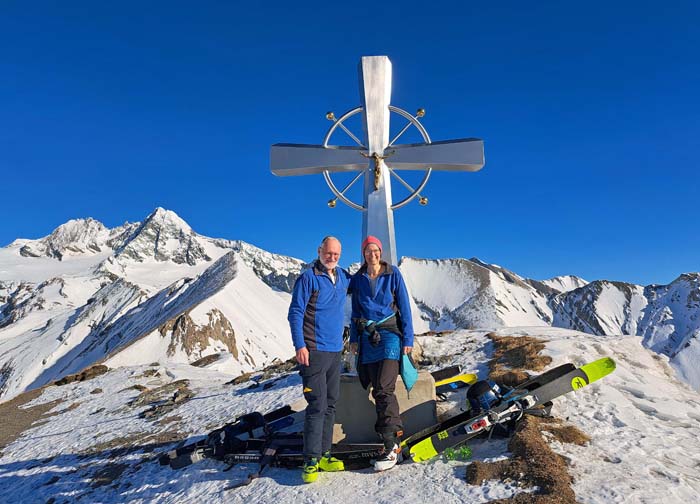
x,y
316,314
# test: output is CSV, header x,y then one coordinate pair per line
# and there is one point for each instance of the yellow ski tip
x,y
467,378
598,369
423,451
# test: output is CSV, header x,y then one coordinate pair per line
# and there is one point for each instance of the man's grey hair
x,y
326,239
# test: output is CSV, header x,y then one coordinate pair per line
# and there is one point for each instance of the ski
x,y
529,395
429,431
546,377
461,381
454,383
532,382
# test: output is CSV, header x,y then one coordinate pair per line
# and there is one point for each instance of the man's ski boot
x,y
330,464
392,452
309,472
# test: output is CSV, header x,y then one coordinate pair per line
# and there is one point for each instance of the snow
x,y
459,293
565,283
643,422
612,303
686,362
258,314
15,268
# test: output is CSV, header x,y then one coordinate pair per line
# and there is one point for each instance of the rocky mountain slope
x,y
157,291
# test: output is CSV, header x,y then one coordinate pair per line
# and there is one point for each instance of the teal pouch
x,y
408,371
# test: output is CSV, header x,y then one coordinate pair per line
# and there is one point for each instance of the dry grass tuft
x,y
533,463
513,355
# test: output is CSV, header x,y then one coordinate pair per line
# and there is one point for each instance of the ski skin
x,y
455,435
446,373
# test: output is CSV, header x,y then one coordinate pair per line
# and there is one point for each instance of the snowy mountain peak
x,y
168,218
501,272
692,280
277,271
164,236
75,237
564,283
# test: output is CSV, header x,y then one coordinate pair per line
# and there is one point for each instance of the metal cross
x,y
372,156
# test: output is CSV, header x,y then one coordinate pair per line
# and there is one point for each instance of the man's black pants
x,y
321,380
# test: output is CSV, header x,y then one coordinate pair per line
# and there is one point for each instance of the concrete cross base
x,y
355,413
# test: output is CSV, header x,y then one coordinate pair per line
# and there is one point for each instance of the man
x,y
316,318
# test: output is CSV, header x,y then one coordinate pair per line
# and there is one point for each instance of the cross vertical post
x,y
375,97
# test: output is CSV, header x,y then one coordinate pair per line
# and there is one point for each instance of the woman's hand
x,y
407,349
353,348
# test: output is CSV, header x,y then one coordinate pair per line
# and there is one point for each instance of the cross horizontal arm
x,y
466,154
300,159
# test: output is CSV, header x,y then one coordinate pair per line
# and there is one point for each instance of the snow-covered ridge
x,y
78,237
667,317
564,283
86,293
461,293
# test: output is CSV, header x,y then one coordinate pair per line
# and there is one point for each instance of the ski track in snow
x,y
644,425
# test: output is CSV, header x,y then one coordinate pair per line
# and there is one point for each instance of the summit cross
x,y
376,157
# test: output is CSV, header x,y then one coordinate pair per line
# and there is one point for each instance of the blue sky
x,y
589,113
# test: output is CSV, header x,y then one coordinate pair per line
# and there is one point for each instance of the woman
x,y
381,330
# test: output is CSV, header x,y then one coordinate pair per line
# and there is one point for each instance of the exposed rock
x,y
5,373
193,338
278,271
205,361
278,367
164,236
163,399
437,334
240,379
87,374
25,298
161,393
107,474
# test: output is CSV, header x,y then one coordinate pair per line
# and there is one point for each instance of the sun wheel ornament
x,y
412,122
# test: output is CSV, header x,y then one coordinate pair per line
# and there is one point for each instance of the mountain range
x,y
157,291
